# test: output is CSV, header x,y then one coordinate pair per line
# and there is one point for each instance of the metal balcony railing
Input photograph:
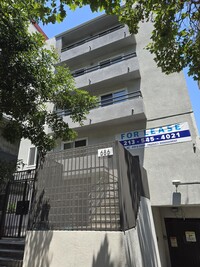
x,y
103,64
88,39
105,102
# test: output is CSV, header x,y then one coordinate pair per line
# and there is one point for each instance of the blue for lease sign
x,y
163,135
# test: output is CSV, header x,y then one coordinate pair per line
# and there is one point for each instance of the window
x,y
61,112
110,61
32,156
75,144
113,98
80,143
67,145
106,100
119,96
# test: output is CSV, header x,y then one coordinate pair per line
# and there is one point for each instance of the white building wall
x,y
133,248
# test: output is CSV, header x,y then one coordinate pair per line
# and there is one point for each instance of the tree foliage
x,y
175,40
27,82
27,79
7,168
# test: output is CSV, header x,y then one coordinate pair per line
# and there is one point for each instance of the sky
x,y
81,15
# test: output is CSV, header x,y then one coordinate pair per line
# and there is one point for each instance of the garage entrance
x,y
184,241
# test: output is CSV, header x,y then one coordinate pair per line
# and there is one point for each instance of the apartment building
x,y
150,114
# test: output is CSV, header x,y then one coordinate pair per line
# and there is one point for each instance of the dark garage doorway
x,y
184,241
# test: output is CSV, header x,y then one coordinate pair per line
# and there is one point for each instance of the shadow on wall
x,y
37,249
146,238
103,258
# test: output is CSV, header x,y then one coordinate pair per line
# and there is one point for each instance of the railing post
x,y
3,216
22,214
120,191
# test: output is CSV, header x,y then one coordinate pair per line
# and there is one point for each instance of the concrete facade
x,y
95,248
164,101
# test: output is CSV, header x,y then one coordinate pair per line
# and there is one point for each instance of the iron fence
x,y
83,189
16,204
77,190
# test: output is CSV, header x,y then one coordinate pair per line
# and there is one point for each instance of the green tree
x,y
175,40
28,83
7,168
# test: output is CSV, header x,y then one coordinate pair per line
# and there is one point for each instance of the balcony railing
x,y
106,102
103,64
88,39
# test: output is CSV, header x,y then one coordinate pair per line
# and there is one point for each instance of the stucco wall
x,y
141,244
74,249
134,248
164,95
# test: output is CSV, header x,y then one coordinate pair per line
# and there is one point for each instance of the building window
x,y
106,100
75,144
80,143
32,156
113,98
67,145
61,112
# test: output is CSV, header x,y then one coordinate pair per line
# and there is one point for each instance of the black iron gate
x,y
18,195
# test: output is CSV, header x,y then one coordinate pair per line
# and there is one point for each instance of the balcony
x,y
127,107
88,39
118,68
91,47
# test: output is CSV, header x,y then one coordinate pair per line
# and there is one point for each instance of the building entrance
x,y
184,242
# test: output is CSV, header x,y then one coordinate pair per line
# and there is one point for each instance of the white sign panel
x,y
190,236
173,241
104,152
169,134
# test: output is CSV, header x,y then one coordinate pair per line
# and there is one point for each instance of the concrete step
x,y
108,202
106,226
105,210
103,219
4,262
12,254
12,244
106,218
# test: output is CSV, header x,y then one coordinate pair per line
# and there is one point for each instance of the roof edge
x,y
39,29
83,24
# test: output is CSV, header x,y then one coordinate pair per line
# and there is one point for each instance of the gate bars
x,y
18,194
78,190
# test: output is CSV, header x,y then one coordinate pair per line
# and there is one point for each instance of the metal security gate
x,y
18,195
84,189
